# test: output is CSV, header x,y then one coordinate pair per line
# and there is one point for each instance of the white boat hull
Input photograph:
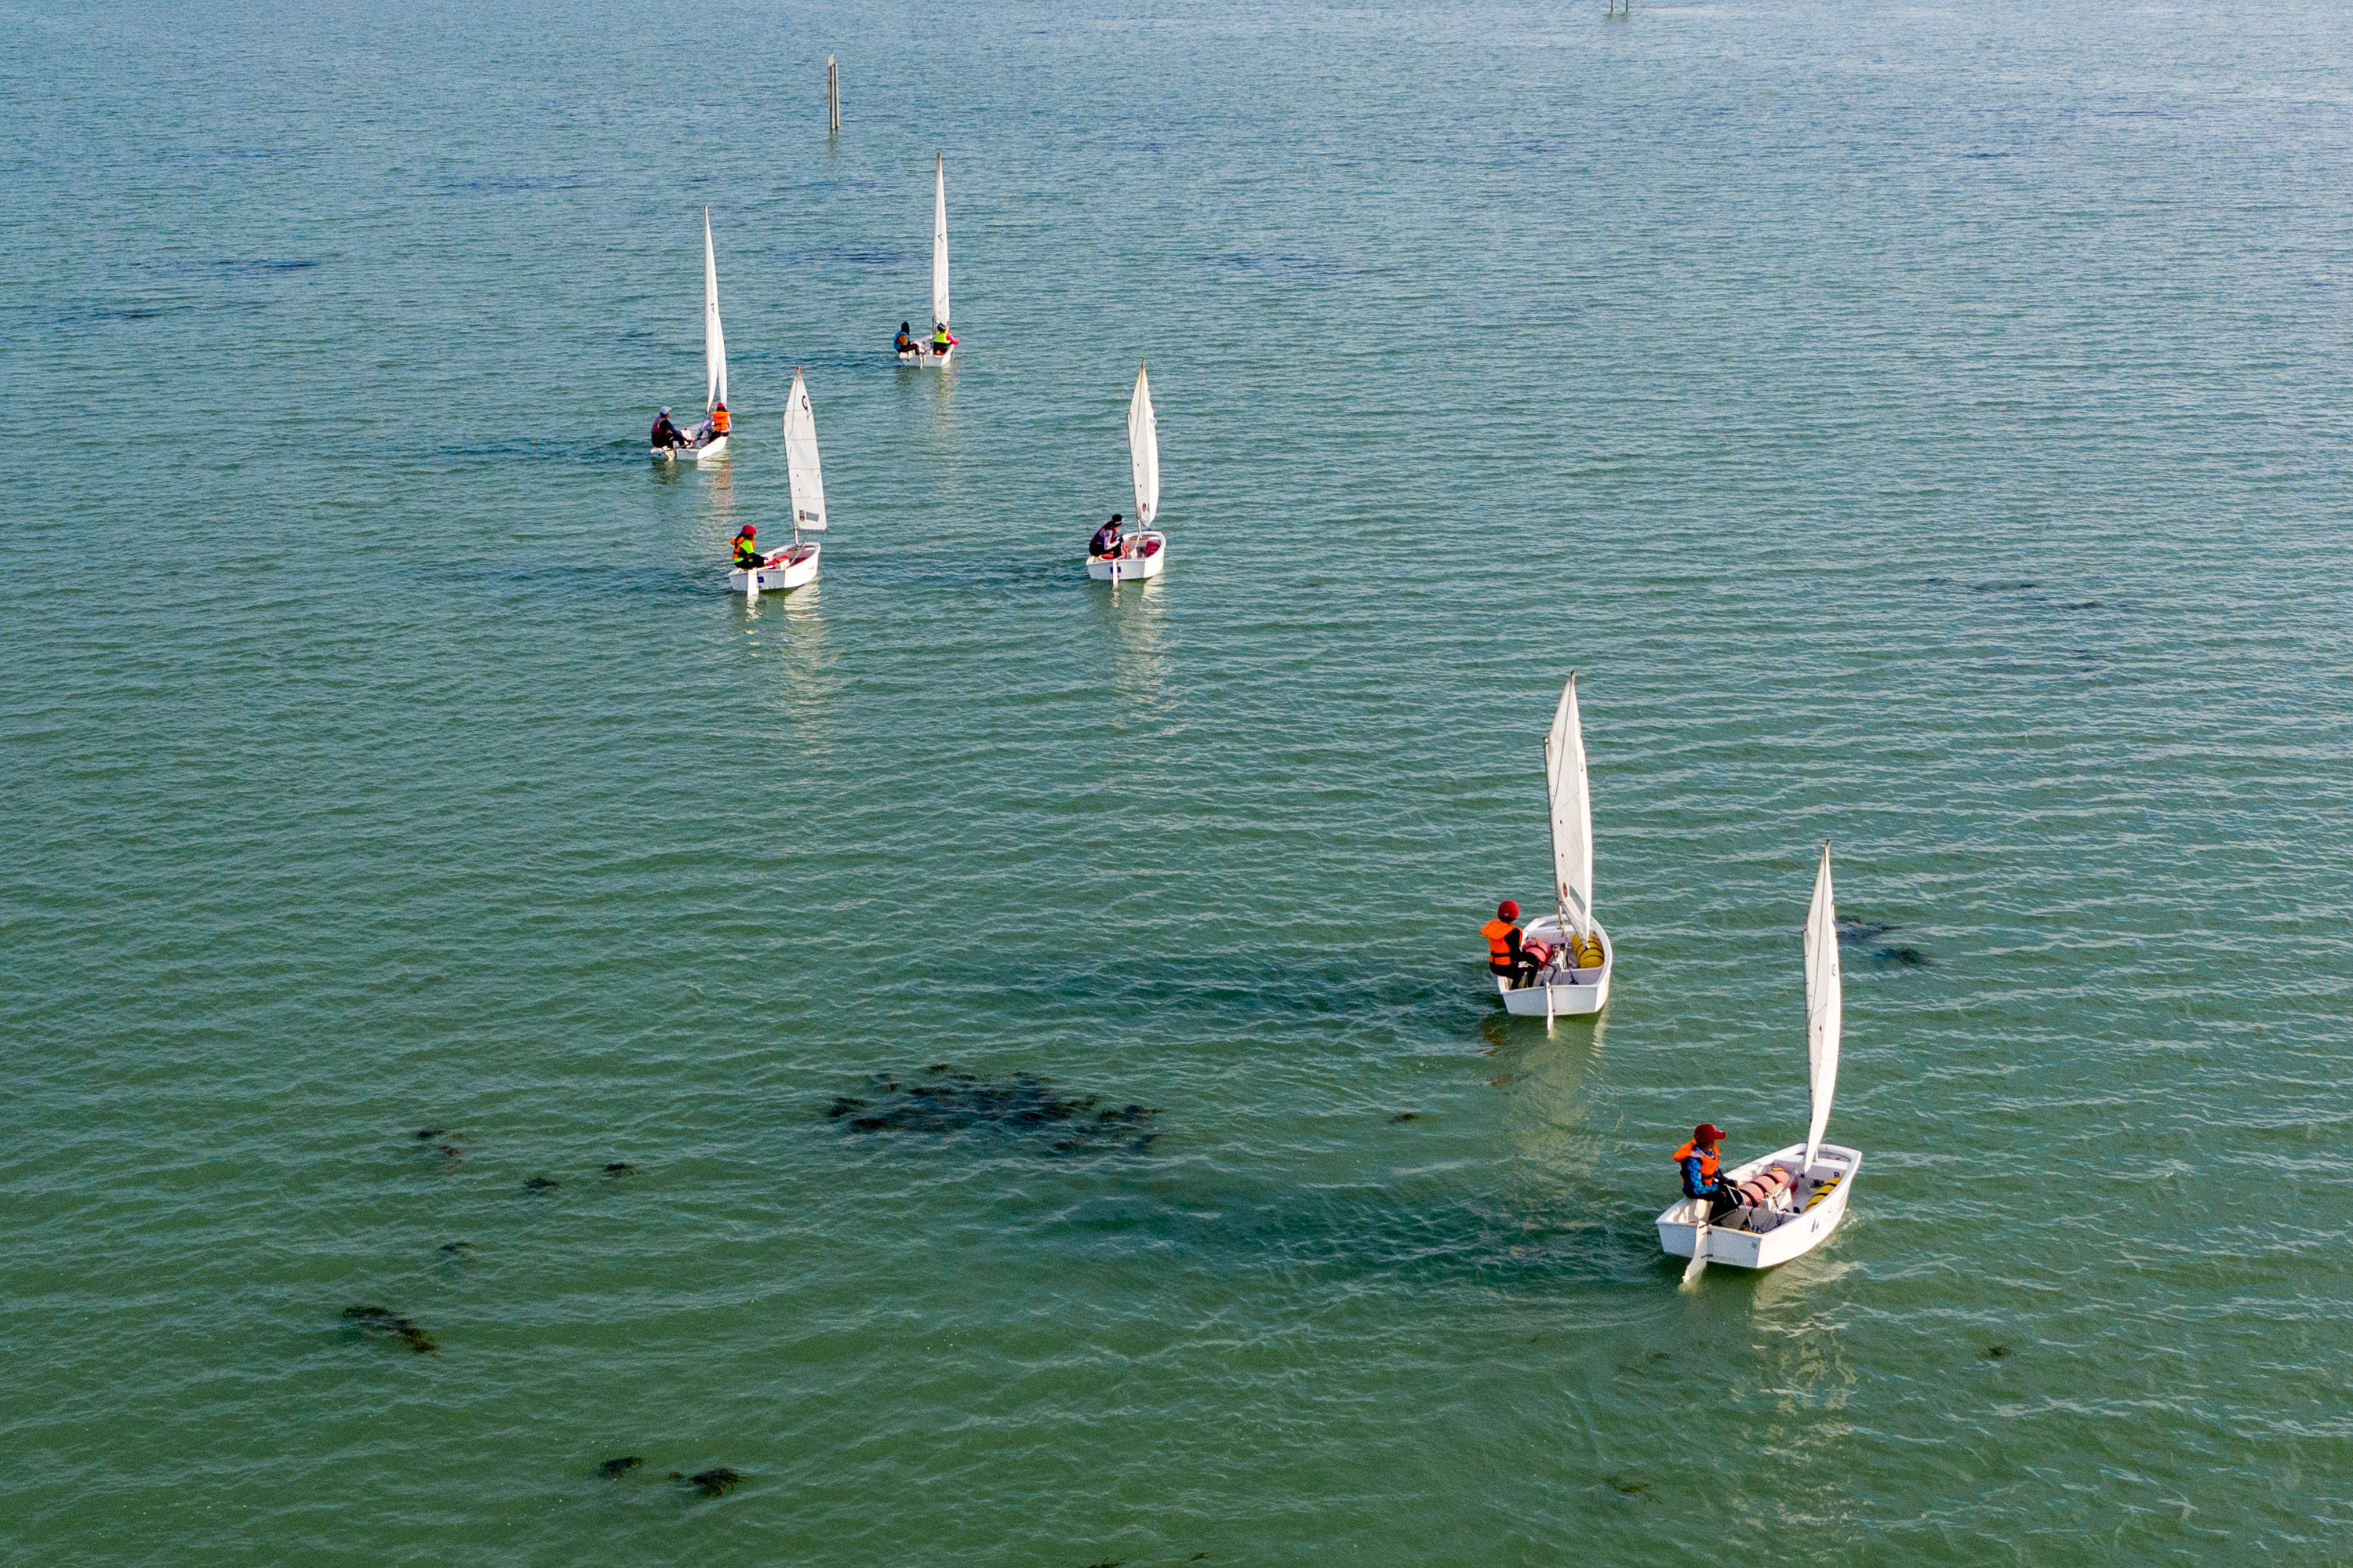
x,y
1816,1206
715,447
1131,569
1561,992
787,568
924,359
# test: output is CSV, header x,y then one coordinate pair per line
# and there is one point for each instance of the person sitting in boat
x,y
1702,1171
942,340
1507,959
720,421
906,344
667,434
747,551
1106,542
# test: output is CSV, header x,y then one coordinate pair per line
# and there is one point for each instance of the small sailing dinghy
x,y
1805,1186
1575,979
1144,553
922,353
797,563
708,442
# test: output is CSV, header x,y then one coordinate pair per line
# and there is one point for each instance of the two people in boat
x,y
1702,1171
668,435
940,342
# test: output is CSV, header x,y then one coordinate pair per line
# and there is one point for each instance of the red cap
x,y
1706,1132
746,531
1508,910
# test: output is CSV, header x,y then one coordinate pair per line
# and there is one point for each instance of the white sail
x,y
714,342
1144,450
1572,813
801,461
940,242
1824,1005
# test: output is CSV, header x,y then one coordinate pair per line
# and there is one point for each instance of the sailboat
x,y
1143,553
1576,978
922,353
797,563
706,441
1810,1182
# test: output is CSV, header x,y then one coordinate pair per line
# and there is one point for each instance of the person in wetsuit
x,y
667,434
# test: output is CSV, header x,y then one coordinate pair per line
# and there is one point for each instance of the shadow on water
x,y
1887,956
578,583
947,1100
549,449
1248,991
1035,575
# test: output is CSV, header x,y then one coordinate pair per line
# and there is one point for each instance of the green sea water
x,y
1924,427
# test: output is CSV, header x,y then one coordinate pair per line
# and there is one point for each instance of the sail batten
x,y
939,241
1825,1006
1144,450
1572,813
801,467
714,342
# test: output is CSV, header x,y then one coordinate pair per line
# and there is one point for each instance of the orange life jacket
x,y
719,421
1708,1160
1501,952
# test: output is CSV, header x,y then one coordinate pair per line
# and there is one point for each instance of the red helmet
x,y
1507,910
1706,1132
746,532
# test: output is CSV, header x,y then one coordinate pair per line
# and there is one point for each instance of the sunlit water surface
x,y
1923,426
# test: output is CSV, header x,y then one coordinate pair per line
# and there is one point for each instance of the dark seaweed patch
x,y
1900,957
461,1251
614,1469
1863,930
620,1168
715,1482
1994,1353
1407,1116
946,1099
2017,587
265,266
1628,1488
377,1323
542,1184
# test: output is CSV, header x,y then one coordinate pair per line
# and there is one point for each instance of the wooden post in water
x,y
832,97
